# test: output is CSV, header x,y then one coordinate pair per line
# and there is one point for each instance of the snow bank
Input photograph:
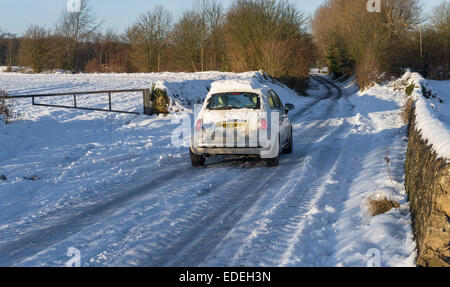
x,y
184,89
183,94
378,128
431,114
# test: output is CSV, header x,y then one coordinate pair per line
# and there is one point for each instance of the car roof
x,y
226,86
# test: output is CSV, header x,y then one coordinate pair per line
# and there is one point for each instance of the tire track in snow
x,y
283,222
79,218
287,257
201,238
206,225
72,222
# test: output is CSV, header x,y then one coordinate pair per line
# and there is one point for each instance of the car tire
x,y
197,160
290,146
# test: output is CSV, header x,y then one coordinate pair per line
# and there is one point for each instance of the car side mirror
x,y
289,107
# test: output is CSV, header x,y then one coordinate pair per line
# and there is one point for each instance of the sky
x,y
17,15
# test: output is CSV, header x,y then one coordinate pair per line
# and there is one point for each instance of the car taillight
x,y
198,125
263,124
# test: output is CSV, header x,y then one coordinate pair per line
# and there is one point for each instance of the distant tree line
x,y
251,35
376,46
269,35
436,43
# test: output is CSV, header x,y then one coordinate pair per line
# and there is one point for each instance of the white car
x,y
242,118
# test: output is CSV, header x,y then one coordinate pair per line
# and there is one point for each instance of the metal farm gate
x,y
146,95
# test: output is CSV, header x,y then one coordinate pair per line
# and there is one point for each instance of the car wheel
x,y
197,160
290,146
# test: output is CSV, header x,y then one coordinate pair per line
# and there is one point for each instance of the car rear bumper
x,y
261,151
226,151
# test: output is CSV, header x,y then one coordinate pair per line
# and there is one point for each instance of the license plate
x,y
232,125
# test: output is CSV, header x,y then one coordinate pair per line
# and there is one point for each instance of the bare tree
x,y
104,44
36,46
107,53
211,15
269,35
9,45
436,43
369,44
187,41
12,49
440,19
76,27
163,28
148,38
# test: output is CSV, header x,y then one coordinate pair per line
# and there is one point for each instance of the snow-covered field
x,y
114,187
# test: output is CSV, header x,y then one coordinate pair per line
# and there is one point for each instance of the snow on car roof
x,y
250,85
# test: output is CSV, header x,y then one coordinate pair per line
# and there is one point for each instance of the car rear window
x,y
230,101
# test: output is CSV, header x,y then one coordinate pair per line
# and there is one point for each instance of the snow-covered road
x,y
309,211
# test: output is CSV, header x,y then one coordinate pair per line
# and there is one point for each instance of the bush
x,y
367,72
410,89
381,205
5,109
160,101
